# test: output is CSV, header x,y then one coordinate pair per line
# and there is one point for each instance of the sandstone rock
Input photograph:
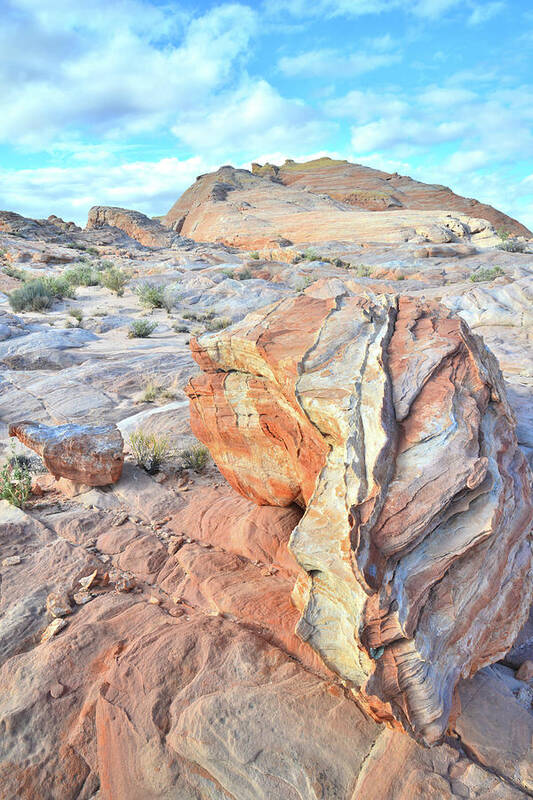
x,y
55,626
386,419
58,605
11,561
240,209
149,232
377,191
525,671
90,454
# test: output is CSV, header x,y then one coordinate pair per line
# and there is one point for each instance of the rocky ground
x,y
178,673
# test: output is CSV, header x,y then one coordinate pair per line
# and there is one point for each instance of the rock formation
x,y
375,190
149,232
387,420
87,454
237,208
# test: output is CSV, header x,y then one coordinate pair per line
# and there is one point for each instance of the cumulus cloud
x,y
329,63
150,187
115,69
428,9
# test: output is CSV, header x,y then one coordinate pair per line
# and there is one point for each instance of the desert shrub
x,y
361,270
486,274
114,279
15,272
141,329
254,255
15,481
243,275
512,246
303,283
151,392
199,316
503,234
400,277
82,275
311,255
104,264
195,457
217,324
180,328
228,273
171,296
39,294
149,450
93,251
150,296
76,313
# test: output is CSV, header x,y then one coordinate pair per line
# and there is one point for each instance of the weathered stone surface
x,y
237,208
89,454
377,191
149,232
387,420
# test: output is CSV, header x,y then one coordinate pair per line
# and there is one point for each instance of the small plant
x,y
15,481
15,272
244,275
39,294
217,324
150,296
303,283
76,313
149,450
104,264
254,255
180,328
228,273
400,277
311,255
93,251
152,390
361,270
114,279
82,275
195,457
512,246
141,329
486,274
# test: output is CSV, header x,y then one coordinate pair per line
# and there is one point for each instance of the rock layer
x,y
88,454
386,418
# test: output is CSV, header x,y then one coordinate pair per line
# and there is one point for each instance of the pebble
x,y
58,605
80,598
86,581
125,584
11,561
55,626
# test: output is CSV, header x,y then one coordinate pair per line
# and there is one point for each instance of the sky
x,y
125,102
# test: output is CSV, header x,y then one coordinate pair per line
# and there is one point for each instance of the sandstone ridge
x,y
387,420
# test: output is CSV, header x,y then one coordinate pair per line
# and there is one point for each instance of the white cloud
x,y
485,11
331,63
424,9
150,187
123,69
249,119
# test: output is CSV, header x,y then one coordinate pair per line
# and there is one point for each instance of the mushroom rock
x,y
386,419
89,454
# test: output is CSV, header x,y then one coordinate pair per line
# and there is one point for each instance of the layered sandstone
x,y
386,419
237,208
376,190
148,232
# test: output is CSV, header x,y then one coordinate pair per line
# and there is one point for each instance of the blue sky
x,y
125,102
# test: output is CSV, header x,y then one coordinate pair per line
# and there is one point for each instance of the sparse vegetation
x,y
195,457
15,481
154,391
486,274
76,313
178,328
512,246
149,450
229,273
114,279
361,270
303,283
150,296
217,324
243,275
39,294
503,234
82,275
141,329
255,255
15,272
311,255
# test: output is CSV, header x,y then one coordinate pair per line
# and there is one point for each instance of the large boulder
x,y
89,454
387,420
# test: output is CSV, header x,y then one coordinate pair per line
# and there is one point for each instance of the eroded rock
x,y
386,418
89,454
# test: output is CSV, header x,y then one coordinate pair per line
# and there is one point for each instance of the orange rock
x,y
85,454
387,420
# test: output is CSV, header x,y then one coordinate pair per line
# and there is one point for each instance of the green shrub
x,y
150,296
255,255
361,270
512,246
93,251
15,481
114,279
217,324
149,450
243,275
311,255
15,272
486,274
180,328
303,283
39,294
82,275
228,273
76,313
503,234
195,457
141,329
104,264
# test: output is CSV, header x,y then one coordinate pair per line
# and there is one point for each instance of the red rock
x,y
149,232
387,420
88,454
